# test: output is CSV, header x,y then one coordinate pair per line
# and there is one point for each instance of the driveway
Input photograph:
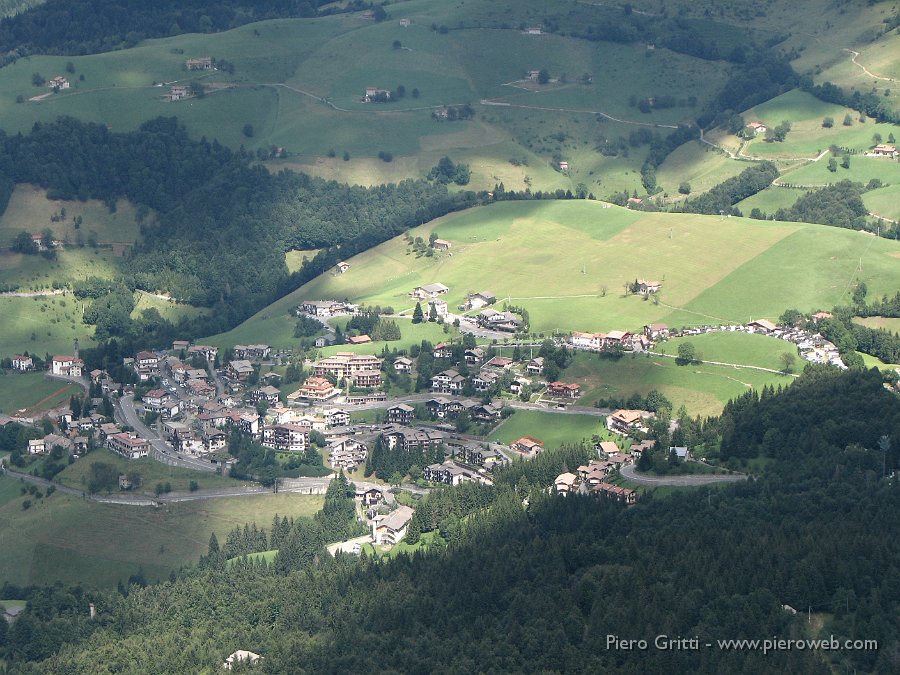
x,y
629,471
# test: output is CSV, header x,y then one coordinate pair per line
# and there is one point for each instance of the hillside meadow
x,y
557,258
48,542
33,392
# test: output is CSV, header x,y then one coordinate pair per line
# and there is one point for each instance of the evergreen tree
x,y
418,316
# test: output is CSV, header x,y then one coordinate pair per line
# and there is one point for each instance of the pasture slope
x,y
567,262
48,542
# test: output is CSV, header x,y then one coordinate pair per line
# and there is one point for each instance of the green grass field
x,y
152,472
283,69
702,389
33,392
268,556
173,311
36,273
555,258
862,170
553,429
41,325
874,362
30,210
740,348
67,539
697,164
888,323
884,201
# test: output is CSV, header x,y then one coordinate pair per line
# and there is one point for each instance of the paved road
x,y
629,471
517,405
160,449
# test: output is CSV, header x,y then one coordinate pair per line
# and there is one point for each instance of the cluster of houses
x,y
596,476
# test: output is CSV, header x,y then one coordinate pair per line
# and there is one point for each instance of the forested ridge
x,y
539,589
224,223
77,27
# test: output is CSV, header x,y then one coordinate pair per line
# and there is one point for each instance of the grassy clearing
x,y
36,273
173,311
41,325
268,556
152,472
862,170
284,67
555,258
294,259
697,164
888,323
702,389
29,209
33,392
741,348
553,428
874,362
884,201
771,199
63,538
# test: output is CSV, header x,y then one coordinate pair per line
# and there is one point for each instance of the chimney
x,y
93,610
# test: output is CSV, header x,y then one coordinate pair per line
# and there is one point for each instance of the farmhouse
x,y
429,291
617,338
757,127
656,331
37,447
883,150
178,92
22,363
342,267
358,340
58,83
563,165
70,366
286,437
821,316
762,326
534,30
645,287
203,63
376,94
634,201
498,363
441,245
533,75
390,529
404,23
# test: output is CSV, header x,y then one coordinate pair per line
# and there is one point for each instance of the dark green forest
x,y
77,27
538,589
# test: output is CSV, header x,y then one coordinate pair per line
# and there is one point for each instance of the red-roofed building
x,y
563,390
